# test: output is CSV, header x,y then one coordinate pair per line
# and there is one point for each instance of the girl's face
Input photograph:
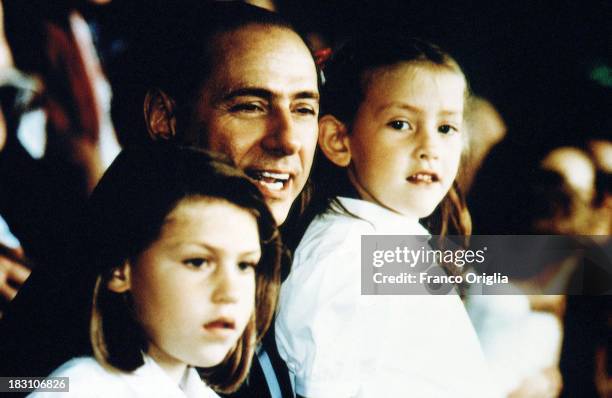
x,y
406,140
194,287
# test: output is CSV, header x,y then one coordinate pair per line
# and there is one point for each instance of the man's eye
x,y
247,107
197,262
306,110
399,125
447,129
246,265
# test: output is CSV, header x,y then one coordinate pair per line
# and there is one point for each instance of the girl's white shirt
x,y
89,379
339,343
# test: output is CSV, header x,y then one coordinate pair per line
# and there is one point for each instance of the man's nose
x,y
281,137
226,289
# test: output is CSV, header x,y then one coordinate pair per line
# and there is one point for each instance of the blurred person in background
x,y
54,42
601,152
586,356
563,195
521,334
56,136
13,270
486,129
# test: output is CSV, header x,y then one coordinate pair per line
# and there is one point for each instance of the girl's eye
x,y
246,265
447,129
399,125
197,262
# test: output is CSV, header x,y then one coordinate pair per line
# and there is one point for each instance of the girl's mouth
x,y
221,327
423,178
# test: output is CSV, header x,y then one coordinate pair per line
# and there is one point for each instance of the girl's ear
x,y
120,281
334,140
159,111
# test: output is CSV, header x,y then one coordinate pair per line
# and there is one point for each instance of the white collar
x,y
191,384
383,219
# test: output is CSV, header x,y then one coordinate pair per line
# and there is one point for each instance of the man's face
x,y
260,106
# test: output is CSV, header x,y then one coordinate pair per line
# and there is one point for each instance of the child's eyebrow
x,y
415,109
255,252
401,105
452,112
218,249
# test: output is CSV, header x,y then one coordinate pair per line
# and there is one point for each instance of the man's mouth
x,y
272,181
423,178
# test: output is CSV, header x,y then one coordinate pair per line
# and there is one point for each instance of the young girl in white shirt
x,y
392,127
185,255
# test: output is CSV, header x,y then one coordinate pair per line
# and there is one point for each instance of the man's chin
x,y
279,210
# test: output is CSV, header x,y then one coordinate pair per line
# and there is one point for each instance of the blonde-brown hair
x,y
347,77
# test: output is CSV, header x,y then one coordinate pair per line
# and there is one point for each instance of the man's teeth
x,y
274,186
272,181
277,176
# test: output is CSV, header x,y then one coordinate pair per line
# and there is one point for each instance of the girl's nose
x,y
427,153
226,285
428,145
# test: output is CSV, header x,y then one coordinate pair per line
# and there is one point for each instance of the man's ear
x,y
159,113
334,140
120,281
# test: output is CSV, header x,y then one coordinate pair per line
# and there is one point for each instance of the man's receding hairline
x,y
215,48
266,27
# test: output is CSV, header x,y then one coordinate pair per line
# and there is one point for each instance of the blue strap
x,y
269,374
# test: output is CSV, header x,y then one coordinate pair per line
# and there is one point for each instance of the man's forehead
x,y
261,57
255,33
255,43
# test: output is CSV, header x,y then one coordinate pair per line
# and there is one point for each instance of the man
x,y
236,79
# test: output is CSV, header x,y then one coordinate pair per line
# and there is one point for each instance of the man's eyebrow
x,y
266,94
248,92
307,95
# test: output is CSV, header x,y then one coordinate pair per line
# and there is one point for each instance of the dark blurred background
x,y
534,60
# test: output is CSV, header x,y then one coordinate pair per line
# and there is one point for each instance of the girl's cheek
x,y
454,157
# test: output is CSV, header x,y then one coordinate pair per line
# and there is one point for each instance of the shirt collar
x,y
190,386
382,219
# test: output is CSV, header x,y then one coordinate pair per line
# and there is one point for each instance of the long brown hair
x,y
126,213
